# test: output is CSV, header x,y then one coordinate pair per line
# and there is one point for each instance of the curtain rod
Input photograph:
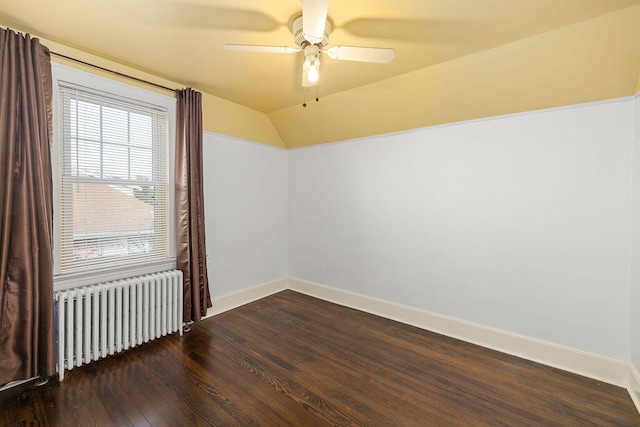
x,y
112,72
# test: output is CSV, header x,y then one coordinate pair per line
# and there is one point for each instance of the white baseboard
x,y
13,384
591,365
601,368
634,385
245,296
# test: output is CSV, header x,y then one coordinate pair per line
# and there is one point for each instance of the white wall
x,y
520,223
246,213
634,300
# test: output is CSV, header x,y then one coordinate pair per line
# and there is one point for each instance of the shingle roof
x,y
103,208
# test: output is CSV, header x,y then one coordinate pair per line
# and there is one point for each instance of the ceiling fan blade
x,y
362,54
264,49
314,17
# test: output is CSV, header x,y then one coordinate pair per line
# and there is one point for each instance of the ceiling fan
x,y
311,35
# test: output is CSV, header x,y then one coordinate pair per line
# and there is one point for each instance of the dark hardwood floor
x,y
290,359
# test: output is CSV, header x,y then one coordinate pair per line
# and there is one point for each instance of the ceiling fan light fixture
x,y
311,65
310,71
314,68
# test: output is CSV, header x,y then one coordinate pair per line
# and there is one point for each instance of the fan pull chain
x,y
304,96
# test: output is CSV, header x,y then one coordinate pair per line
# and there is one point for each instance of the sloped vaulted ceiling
x,y
456,60
589,61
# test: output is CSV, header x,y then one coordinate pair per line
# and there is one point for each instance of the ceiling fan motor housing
x,y
301,41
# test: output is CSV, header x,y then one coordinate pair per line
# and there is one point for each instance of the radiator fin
x,y
95,321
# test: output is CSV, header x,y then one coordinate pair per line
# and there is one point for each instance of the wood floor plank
x,y
271,405
293,360
393,365
343,382
438,395
525,393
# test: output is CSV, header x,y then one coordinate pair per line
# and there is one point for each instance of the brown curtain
x,y
191,252
27,341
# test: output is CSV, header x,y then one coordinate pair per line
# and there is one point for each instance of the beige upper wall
x,y
228,118
593,60
219,115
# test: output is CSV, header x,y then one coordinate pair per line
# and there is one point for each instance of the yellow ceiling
x,y
456,59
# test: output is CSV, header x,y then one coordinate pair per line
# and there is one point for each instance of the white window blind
x,y
113,176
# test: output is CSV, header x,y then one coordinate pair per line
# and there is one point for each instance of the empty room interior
x,y
400,212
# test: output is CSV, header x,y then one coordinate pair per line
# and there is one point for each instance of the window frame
x,y
74,77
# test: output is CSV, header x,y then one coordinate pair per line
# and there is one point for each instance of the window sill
x,y
84,278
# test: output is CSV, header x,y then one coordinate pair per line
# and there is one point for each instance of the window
x,y
113,208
